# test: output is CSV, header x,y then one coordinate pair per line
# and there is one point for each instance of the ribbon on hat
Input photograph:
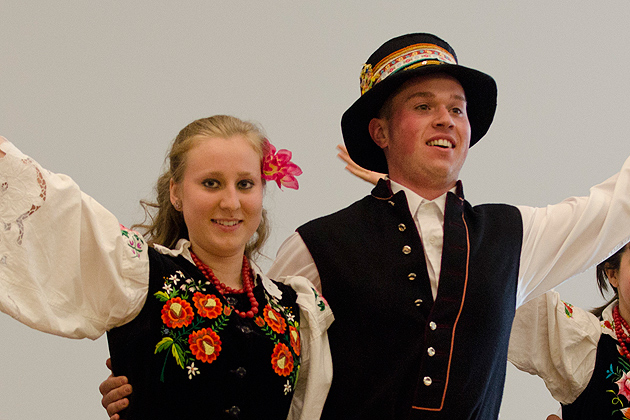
x,y
406,58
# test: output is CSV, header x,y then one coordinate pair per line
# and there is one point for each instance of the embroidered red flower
x,y
274,320
205,344
282,360
278,167
294,337
208,306
259,321
177,313
227,310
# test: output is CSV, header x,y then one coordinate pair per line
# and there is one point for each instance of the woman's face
x,y
621,280
221,195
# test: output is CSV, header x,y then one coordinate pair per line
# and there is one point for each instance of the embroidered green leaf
x,y
179,355
164,344
162,297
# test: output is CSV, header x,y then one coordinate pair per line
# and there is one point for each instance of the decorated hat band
x,y
409,57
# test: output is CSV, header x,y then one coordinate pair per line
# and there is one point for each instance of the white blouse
x,y
558,342
67,267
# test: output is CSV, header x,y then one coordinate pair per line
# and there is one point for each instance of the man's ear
x,y
378,132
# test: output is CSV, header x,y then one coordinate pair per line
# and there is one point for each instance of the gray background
x,y
97,90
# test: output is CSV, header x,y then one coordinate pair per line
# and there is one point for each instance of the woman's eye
x,y
457,110
211,183
245,184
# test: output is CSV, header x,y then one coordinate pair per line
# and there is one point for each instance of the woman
x,y
192,322
582,356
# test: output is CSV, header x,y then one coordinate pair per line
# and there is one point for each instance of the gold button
x,y
427,380
431,351
418,302
402,227
412,276
406,250
432,325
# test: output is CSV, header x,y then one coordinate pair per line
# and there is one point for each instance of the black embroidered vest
x,y
607,393
189,355
396,353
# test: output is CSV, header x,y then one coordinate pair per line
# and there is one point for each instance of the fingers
x,y
358,171
114,390
116,407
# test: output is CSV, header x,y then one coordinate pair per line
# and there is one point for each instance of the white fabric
x,y
66,269
559,241
559,348
429,218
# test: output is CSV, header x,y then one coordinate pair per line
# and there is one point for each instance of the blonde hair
x,y
163,224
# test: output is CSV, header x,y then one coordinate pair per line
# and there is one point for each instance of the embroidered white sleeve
x,y
557,342
66,267
316,364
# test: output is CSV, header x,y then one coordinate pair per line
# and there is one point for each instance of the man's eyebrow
x,y
432,95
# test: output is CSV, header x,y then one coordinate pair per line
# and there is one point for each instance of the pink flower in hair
x,y
278,167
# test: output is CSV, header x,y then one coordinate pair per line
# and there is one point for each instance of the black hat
x,y
395,62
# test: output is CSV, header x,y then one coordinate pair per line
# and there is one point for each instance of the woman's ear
x,y
174,195
613,277
378,132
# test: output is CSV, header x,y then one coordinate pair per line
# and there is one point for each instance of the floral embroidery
x,y
568,309
134,240
177,313
624,385
294,336
274,320
282,360
621,378
319,300
205,344
208,306
192,370
278,167
20,197
191,330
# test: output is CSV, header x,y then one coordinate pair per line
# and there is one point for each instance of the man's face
x,y
426,135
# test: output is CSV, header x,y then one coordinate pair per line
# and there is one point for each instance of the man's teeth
x,y
440,143
226,223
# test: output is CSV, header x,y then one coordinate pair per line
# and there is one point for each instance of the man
x,y
423,285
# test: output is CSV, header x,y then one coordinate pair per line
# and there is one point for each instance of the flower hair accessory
x,y
277,166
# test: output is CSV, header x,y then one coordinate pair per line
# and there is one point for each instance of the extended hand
x,y
114,390
357,170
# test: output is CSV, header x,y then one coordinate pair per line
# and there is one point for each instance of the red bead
x,y
248,284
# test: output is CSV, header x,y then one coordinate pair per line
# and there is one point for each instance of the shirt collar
x,y
415,200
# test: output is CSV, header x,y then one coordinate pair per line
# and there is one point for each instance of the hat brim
x,y
481,103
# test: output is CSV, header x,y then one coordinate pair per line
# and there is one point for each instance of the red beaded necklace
x,y
248,284
621,326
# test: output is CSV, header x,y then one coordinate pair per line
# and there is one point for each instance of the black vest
x,y
189,358
602,398
397,354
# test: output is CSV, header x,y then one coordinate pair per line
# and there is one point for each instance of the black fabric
x,y
382,331
601,398
240,383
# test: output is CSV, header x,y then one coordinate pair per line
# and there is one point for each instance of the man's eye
x,y
422,107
